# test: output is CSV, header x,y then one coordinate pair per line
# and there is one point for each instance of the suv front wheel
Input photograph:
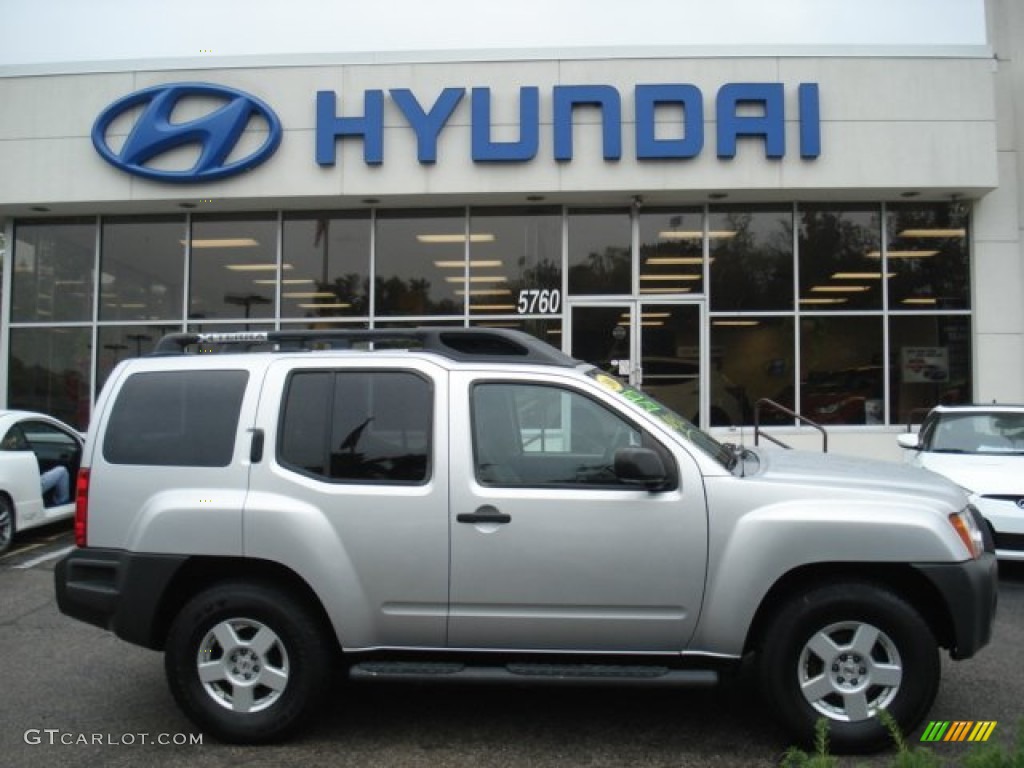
x,y
844,652
246,662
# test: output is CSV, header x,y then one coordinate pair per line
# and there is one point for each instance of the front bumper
x,y
116,590
970,591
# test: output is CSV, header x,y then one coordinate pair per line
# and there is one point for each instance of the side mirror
x,y
909,440
640,466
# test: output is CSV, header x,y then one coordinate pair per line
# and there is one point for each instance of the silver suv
x,y
466,505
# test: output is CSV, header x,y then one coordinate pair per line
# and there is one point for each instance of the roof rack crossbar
x,y
460,344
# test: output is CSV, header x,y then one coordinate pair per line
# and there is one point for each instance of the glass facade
x,y
849,314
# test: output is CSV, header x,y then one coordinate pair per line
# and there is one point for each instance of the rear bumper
x,y
970,591
116,590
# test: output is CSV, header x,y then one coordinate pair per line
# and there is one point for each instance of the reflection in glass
x,y
142,268
601,337
121,342
841,370
329,256
510,251
752,358
49,372
930,363
229,256
927,255
670,361
53,270
409,244
751,252
671,252
600,252
548,329
839,264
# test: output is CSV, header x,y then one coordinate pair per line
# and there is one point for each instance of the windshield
x,y
976,432
716,450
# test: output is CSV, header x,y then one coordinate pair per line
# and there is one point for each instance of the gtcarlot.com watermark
x,y
55,736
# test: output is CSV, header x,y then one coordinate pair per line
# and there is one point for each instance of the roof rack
x,y
460,344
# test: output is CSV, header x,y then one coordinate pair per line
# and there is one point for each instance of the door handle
x,y
486,514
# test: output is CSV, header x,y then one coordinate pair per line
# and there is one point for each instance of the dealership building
x,y
835,229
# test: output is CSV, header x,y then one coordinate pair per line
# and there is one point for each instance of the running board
x,y
547,674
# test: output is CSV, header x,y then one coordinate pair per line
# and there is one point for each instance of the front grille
x,y
1009,541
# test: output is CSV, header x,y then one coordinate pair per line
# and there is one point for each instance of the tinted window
x,y
176,418
357,426
530,435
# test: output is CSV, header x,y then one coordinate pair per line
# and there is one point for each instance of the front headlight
x,y
968,531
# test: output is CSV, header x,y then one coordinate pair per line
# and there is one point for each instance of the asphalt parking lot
x,y
76,696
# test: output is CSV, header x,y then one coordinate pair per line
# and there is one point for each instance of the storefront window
x,y
329,256
841,370
751,358
545,329
927,256
930,363
839,264
600,252
142,268
54,264
120,342
409,247
751,252
49,372
515,262
234,267
671,252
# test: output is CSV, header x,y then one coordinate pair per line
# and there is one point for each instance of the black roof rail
x,y
460,344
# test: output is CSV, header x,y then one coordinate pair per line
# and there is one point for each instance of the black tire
x,y
880,655
247,663
7,523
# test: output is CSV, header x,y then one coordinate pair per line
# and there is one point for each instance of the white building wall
x,y
888,125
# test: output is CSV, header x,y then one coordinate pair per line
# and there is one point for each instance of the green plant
x,y
797,758
907,756
996,755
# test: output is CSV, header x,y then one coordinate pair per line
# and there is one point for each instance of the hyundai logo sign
x,y
152,135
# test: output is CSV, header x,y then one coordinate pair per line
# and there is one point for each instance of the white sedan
x,y
981,449
39,460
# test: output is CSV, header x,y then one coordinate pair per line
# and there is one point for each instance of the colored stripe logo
x,y
958,730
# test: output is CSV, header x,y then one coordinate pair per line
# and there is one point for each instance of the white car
x,y
981,449
33,445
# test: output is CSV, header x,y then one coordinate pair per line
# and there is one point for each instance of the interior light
x,y
901,254
933,233
255,267
287,281
860,275
326,305
921,300
659,289
224,242
477,279
693,234
822,301
484,292
308,295
671,277
840,288
675,260
736,322
493,307
455,238
457,264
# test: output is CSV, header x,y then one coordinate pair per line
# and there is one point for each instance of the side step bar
x,y
548,674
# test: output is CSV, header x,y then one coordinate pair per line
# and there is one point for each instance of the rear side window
x,y
357,426
176,419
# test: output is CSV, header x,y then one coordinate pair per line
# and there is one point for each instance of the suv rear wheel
x,y
246,662
844,652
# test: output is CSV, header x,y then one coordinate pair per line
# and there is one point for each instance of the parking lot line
x,y
43,558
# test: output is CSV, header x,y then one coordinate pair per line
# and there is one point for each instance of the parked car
x,y
981,449
34,444
480,507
